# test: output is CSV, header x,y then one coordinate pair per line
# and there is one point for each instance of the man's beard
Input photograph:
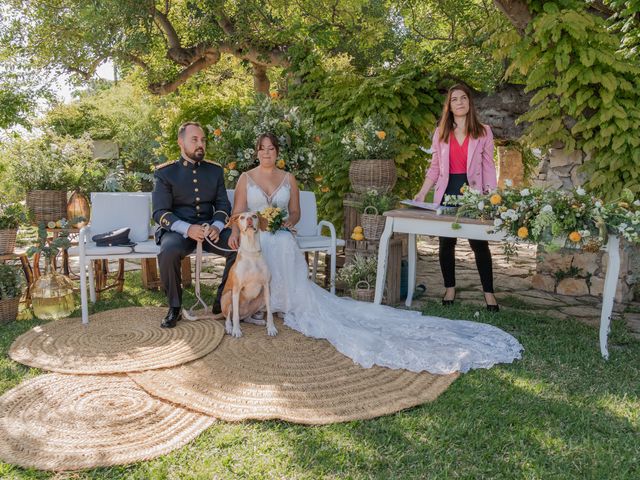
x,y
197,154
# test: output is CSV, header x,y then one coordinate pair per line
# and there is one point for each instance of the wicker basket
x,y
372,224
363,292
8,240
9,309
378,175
47,205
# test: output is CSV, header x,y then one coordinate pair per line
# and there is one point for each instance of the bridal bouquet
x,y
275,218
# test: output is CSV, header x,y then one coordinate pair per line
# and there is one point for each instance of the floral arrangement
x,y
381,202
368,140
361,269
233,137
275,218
12,215
553,218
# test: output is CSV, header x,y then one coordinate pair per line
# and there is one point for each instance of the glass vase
x,y
52,295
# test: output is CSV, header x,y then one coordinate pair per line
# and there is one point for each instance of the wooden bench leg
x,y
150,276
186,272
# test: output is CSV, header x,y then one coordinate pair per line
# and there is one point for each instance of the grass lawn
x,y
560,412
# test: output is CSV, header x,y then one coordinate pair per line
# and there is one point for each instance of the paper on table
x,y
426,206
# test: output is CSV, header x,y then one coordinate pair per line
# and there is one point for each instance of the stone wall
x,y
571,272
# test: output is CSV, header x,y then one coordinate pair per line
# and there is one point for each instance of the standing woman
x,y
462,154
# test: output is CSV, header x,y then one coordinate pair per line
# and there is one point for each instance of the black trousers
x,y
173,248
447,253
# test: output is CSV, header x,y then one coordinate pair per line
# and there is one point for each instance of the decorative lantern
x,y
78,206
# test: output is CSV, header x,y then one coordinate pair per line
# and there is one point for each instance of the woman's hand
x,y
234,240
420,196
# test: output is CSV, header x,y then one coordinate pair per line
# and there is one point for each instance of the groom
x,y
188,193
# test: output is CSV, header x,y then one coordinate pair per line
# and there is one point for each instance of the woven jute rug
x,y
115,341
289,377
70,422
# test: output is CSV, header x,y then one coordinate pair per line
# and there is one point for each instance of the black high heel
x,y
492,308
448,303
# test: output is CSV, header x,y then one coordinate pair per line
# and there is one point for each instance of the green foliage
x,y
49,249
52,162
406,98
380,202
12,215
370,139
361,269
10,282
234,138
587,94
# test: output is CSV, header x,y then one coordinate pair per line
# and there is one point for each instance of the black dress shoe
x,y
173,316
216,310
493,308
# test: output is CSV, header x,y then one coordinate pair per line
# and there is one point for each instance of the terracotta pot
x,y
78,206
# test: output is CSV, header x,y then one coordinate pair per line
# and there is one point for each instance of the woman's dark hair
x,y
446,125
271,137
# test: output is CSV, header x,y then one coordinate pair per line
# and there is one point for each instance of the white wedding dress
x,y
370,334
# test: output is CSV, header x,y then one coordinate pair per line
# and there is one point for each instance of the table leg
x,y
412,259
609,292
28,275
383,252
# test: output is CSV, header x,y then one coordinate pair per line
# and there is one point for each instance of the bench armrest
x,y
332,230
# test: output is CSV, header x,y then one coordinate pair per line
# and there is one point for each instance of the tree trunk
x,y
501,109
261,82
517,11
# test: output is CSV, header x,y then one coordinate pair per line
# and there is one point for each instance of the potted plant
x,y
371,148
52,293
11,216
372,206
360,277
10,292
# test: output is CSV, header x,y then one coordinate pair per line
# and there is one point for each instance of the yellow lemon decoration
x,y
358,237
358,229
523,232
51,225
575,237
495,199
280,163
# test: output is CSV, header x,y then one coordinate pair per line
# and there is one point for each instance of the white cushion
x,y
92,250
147,247
316,241
110,211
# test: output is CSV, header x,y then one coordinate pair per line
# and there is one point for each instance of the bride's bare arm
x,y
294,204
239,206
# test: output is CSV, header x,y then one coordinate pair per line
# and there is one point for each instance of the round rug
x,y
115,341
289,377
65,422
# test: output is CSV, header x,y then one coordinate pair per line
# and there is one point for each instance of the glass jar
x,y
52,295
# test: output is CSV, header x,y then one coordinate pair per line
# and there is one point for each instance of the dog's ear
x,y
233,219
263,223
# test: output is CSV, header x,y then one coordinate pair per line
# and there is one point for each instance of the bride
x,y
369,334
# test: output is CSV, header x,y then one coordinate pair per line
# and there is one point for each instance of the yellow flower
x,y
316,139
51,225
381,134
575,237
495,199
226,170
274,95
523,232
463,189
623,204
319,178
232,166
280,163
217,132
324,189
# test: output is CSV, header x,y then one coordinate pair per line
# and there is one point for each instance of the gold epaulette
x,y
211,161
165,164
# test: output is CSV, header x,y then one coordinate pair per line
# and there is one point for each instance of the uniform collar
x,y
187,162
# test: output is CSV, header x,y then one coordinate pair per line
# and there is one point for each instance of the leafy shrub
x,y
381,202
361,269
10,282
12,215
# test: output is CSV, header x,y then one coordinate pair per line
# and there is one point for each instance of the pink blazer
x,y
481,171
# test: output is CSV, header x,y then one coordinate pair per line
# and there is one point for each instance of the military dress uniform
x,y
187,192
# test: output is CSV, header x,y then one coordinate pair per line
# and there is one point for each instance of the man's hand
x,y
214,234
196,232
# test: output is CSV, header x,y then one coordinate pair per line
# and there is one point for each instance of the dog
x,y
247,289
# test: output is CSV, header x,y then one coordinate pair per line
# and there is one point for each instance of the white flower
x,y
480,205
477,314
598,204
636,203
547,209
580,191
524,192
234,173
497,222
508,182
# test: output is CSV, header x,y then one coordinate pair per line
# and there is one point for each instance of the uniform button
x,y
194,172
197,207
195,180
185,163
197,199
195,189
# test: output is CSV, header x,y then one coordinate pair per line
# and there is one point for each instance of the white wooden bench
x,y
110,211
